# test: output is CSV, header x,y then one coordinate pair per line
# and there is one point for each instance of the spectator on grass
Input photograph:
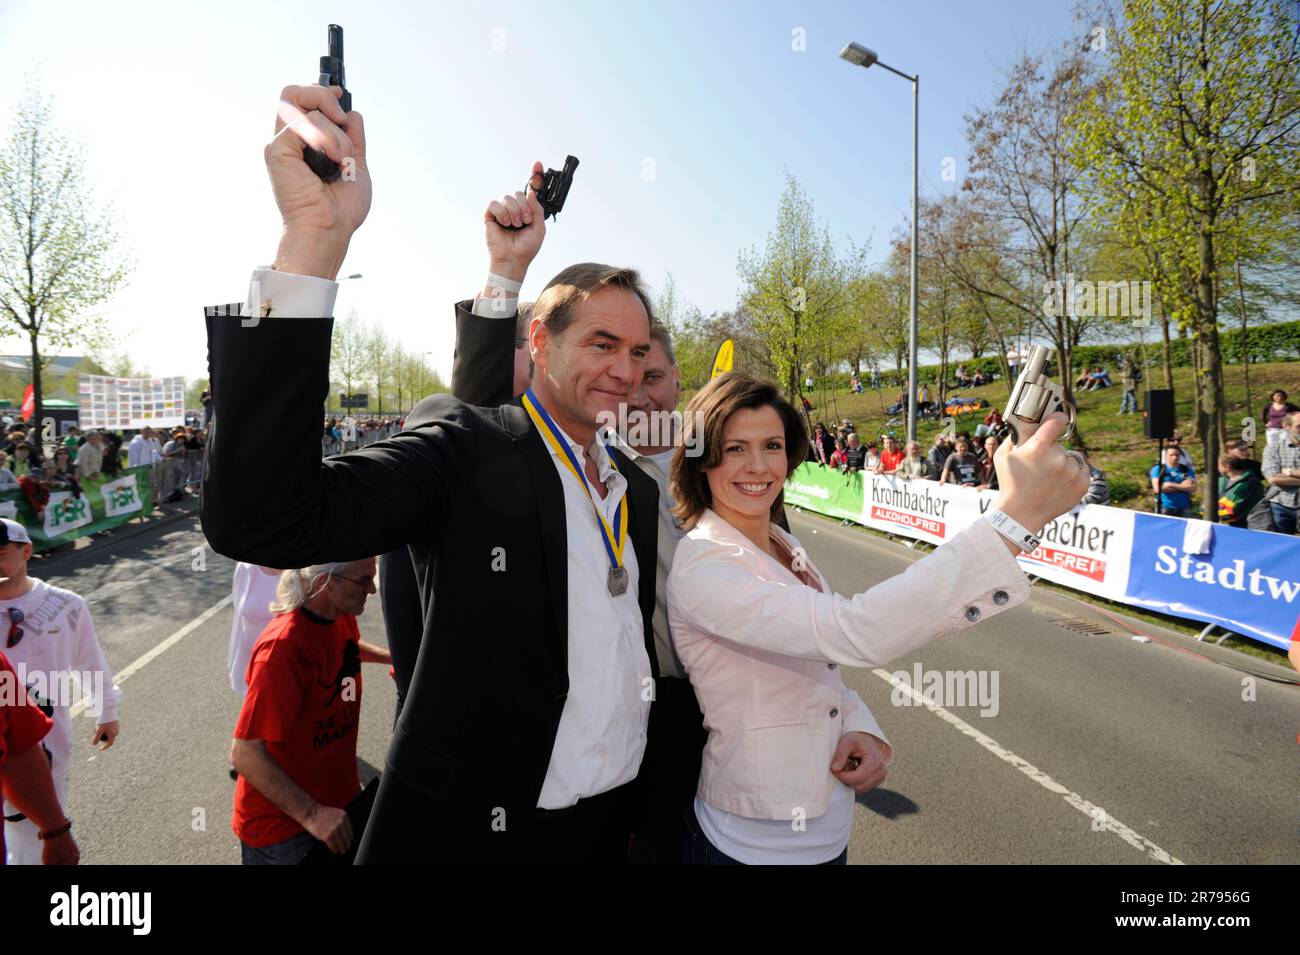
x,y
1098,486
1282,471
855,457
1271,417
1240,490
914,465
962,466
891,457
1176,441
1173,484
988,473
939,453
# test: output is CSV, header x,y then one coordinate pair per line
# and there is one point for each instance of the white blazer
x,y
762,646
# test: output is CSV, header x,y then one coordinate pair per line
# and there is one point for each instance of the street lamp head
x,y
858,55
356,275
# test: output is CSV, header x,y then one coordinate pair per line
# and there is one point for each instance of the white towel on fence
x,y
1198,536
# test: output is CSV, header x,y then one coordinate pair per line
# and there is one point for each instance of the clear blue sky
x,y
175,101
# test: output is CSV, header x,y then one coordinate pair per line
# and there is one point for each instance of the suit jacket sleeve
x,y
269,498
483,369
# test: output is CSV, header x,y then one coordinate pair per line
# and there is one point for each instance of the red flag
x,y
29,402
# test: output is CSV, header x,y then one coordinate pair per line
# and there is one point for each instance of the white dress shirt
x,y
138,452
602,733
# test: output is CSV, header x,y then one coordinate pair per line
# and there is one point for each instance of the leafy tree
x,y
59,254
1198,114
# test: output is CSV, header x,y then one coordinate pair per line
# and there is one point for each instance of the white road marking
x,y
1136,840
164,645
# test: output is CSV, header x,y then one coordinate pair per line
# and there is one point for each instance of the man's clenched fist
x,y
512,250
319,218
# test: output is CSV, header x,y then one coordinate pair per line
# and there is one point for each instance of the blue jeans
x,y
698,850
1284,518
1129,403
289,852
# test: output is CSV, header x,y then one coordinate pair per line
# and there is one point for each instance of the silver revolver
x,y
1034,397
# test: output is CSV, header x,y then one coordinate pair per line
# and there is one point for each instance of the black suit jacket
x,y
475,495
482,373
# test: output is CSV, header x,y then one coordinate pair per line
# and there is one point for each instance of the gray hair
x,y
296,587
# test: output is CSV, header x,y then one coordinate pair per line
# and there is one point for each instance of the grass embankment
x,y
1114,442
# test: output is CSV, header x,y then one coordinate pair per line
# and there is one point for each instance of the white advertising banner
x,y
132,403
926,510
1088,549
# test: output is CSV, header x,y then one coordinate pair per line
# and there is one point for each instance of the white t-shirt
x,y
253,591
58,660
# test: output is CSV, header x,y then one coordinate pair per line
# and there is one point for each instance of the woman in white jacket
x,y
761,635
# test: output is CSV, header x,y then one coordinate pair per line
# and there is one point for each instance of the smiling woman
x,y
761,636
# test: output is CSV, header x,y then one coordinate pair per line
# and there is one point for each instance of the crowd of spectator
x,y
349,433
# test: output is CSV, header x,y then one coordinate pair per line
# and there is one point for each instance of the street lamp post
x,y
859,55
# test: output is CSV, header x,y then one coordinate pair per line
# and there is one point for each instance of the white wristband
x,y
501,282
1011,530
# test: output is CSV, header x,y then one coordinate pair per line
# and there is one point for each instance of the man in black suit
x,y
522,732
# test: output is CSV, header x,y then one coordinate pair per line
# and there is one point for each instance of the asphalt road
x,y
1094,748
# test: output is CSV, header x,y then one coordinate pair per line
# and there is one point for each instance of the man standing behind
x,y
891,457
1128,370
295,743
1174,484
50,635
91,459
138,450
1282,471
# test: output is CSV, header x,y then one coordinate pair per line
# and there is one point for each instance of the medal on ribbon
x,y
614,538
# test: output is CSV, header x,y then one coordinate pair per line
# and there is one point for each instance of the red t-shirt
x,y
301,706
22,724
890,460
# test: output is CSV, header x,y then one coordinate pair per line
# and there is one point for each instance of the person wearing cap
x,y
48,635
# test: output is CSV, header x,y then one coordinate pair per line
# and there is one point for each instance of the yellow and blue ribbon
x,y
614,538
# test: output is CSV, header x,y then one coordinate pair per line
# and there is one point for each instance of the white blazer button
x,y
830,666
972,614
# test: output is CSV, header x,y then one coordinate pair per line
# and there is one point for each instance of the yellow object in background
x,y
724,359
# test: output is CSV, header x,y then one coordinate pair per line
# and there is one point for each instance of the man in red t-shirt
x,y
296,739
25,776
891,457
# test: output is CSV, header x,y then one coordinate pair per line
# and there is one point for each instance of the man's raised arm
x,y
483,371
268,498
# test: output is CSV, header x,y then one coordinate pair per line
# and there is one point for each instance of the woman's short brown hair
x,y
704,424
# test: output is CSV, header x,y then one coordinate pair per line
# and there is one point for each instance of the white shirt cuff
x,y
502,306
289,295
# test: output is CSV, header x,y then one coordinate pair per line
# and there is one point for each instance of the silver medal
x,y
617,581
